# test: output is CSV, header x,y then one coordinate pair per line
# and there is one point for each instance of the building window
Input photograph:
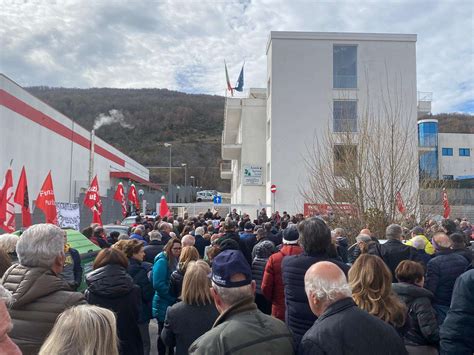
x,y
345,159
448,152
428,134
428,165
344,67
464,152
345,116
448,177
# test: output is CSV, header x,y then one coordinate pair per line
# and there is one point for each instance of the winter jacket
x,y
457,331
265,244
6,344
161,283
299,316
243,329
441,274
177,332
152,250
39,296
423,329
423,257
112,287
242,247
466,252
140,238
248,241
176,282
72,271
393,252
342,245
272,283
139,273
343,328
429,248
201,244
258,267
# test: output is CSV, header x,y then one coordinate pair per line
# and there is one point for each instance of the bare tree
x,y
364,159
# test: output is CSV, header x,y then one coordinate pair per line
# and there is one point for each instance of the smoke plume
x,y
114,116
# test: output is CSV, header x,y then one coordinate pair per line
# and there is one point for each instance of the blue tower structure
x,y
428,148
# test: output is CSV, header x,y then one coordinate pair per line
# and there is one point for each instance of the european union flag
x,y
240,81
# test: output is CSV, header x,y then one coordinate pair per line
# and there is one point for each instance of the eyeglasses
x,y
176,248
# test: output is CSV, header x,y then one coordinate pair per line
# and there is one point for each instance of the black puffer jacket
x,y
424,328
441,274
112,287
139,272
258,267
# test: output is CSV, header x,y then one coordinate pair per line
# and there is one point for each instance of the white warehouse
x,y
311,78
40,138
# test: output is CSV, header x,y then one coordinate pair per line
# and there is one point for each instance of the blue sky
x,y
182,44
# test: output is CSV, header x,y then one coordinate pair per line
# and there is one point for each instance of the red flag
x,y
400,205
93,201
133,197
447,208
22,198
46,201
164,210
120,197
7,208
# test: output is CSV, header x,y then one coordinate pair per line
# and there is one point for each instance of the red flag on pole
x,y
447,208
46,201
22,198
164,210
7,207
120,197
133,197
400,205
93,201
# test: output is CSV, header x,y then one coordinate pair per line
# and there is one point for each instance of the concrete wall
x,y
40,138
455,165
300,67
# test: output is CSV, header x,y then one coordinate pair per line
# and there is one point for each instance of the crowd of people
x,y
275,285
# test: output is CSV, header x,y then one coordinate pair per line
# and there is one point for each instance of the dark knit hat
x,y
290,235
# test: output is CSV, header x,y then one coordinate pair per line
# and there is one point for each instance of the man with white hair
x,y
165,230
342,327
39,294
201,243
187,241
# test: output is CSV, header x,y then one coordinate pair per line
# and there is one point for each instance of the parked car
x,y
206,195
109,228
129,221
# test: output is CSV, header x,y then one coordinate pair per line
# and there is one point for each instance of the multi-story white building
x,y
312,78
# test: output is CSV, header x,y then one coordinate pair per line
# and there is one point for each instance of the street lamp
x,y
192,180
185,166
168,145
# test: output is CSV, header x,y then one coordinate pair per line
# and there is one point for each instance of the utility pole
x,y
168,145
185,166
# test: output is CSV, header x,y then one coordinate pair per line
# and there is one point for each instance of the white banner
x,y
252,175
68,215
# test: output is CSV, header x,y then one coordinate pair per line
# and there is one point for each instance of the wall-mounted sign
x,y
252,175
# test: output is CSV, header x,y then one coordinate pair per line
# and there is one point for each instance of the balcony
x,y
231,147
226,170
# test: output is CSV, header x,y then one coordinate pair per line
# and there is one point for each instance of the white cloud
x,y
181,45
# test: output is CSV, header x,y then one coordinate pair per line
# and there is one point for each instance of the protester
x,y
200,242
99,237
394,251
154,247
262,239
113,236
188,241
197,308
188,254
111,287
139,270
419,243
165,264
458,328
419,232
241,328
341,327
272,283
138,234
8,244
422,337
165,229
72,271
262,252
39,294
342,244
371,284
7,346
441,273
315,240
83,330
459,246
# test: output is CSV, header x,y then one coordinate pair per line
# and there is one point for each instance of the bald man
x,y
441,273
341,327
188,241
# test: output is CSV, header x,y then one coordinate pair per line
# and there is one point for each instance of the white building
x,y
311,78
40,138
456,156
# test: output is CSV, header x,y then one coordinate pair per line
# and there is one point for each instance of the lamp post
x,y
168,145
192,180
185,166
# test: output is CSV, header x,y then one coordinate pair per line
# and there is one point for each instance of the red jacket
x,y
272,283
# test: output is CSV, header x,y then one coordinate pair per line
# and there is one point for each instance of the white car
x,y
206,195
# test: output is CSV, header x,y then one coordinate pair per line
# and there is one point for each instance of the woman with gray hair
x,y
39,294
8,244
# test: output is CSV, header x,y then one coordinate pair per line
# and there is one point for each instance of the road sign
x,y
217,199
273,189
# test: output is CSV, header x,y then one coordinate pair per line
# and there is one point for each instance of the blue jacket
x,y
299,316
161,283
200,244
139,273
457,331
139,237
